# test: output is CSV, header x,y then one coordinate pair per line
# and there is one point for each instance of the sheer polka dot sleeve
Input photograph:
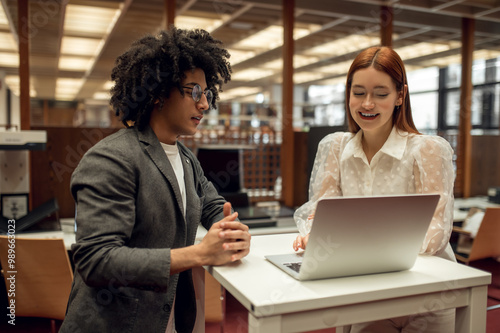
x,y
324,182
434,173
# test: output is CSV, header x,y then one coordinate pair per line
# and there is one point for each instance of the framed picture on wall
x,y
14,206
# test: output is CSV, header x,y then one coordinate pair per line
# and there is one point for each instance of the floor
x,y
236,315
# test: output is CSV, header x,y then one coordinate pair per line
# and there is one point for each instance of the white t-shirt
x,y
174,157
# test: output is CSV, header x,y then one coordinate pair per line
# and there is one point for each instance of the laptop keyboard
x,y
294,265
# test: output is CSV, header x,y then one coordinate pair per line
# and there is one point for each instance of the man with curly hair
x,y
140,194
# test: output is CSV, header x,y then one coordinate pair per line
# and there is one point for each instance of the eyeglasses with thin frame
x,y
196,92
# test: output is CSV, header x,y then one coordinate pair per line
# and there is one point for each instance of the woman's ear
x,y
402,95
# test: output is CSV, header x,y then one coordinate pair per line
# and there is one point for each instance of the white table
x,y
279,303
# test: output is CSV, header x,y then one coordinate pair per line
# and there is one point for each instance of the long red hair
x,y
386,60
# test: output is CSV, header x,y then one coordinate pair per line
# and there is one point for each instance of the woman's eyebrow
x,y
363,87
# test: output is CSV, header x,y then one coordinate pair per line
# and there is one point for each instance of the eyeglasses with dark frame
x,y
196,92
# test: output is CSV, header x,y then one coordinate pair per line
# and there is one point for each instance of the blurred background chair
x,y
482,251
43,277
486,244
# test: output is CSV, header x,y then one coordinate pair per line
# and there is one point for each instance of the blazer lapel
x,y
153,148
193,213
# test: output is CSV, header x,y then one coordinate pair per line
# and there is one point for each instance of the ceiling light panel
x,y
335,69
238,92
276,65
194,22
12,81
424,48
101,95
9,59
269,38
333,81
486,54
108,85
457,59
4,22
80,64
238,56
7,42
301,60
302,77
87,19
298,61
251,74
66,89
342,46
80,46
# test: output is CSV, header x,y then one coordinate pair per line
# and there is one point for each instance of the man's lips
x,y
197,119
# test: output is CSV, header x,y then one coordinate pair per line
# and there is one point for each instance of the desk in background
x,y
278,303
283,225
462,205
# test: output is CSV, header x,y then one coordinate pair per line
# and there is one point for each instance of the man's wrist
x,y
199,256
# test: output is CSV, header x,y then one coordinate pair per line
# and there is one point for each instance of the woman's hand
x,y
300,242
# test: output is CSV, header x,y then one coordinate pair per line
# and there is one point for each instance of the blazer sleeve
x,y
104,188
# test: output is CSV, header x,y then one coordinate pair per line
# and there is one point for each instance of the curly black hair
x,y
155,64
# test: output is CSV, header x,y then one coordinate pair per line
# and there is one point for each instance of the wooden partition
x,y
485,163
51,169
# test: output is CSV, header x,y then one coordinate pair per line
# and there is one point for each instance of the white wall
x,y
3,99
15,110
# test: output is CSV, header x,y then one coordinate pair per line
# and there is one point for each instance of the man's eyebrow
x,y
190,84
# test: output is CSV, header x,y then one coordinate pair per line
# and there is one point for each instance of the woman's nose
x,y
368,103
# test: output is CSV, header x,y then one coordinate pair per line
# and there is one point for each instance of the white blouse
x,y
406,164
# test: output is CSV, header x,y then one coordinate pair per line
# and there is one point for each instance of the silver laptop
x,y
362,235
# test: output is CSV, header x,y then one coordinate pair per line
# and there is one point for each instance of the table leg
x,y
264,324
472,318
199,287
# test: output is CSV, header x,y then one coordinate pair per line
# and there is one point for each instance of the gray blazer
x,y
129,215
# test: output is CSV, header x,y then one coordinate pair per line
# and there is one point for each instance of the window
x,y
424,107
423,87
426,79
328,103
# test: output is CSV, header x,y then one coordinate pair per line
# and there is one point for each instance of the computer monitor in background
x,y
316,134
223,167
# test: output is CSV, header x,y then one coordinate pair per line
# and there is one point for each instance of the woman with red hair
x,y
384,154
